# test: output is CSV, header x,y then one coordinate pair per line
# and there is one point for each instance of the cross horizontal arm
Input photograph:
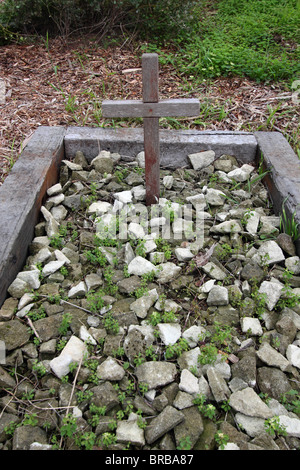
x,y
136,108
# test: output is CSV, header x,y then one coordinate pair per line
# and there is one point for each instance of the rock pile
x,y
174,326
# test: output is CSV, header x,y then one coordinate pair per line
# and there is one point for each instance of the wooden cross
x,y
151,109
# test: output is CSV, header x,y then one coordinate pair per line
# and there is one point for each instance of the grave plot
x,y
169,326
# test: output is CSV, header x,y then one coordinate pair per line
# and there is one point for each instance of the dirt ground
x,y
63,84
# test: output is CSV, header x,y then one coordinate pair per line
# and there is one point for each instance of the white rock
x,y
183,254
110,370
56,200
241,174
31,278
72,166
169,332
212,270
248,402
188,382
26,299
167,272
93,281
272,291
269,253
218,295
272,357
293,355
59,213
168,181
198,201
141,159
157,221
293,264
52,267
39,446
201,160
182,227
130,431
60,256
168,305
207,286
252,222
135,230
230,446
54,190
193,335
77,291
252,325
253,426
139,193
52,226
124,196
291,425
99,208
21,313
140,266
141,306
215,197
42,256
85,336
229,226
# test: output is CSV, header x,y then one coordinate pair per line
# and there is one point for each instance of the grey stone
x,y
110,370
169,332
14,334
201,160
273,382
218,295
130,431
247,402
156,373
272,358
140,266
218,385
167,272
192,426
163,423
24,436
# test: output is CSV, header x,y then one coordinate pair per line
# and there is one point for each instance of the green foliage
x,y
157,18
258,39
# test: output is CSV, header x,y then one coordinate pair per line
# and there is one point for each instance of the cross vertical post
x,y
151,128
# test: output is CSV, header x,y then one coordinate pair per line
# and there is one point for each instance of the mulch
x,y
63,83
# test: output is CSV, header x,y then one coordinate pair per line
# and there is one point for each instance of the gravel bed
x,y
169,327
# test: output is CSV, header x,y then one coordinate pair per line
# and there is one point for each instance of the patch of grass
x,y
258,39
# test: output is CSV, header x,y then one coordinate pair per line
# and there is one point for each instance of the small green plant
x,y
221,439
274,428
111,324
289,225
65,323
175,350
30,420
185,443
39,368
208,354
291,401
69,426
108,439
208,410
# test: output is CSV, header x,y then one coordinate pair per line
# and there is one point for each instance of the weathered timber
x,y
151,109
21,197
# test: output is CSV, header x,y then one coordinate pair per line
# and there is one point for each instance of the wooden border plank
x,y
21,197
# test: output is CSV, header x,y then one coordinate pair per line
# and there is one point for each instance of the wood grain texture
x,y
137,108
21,197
